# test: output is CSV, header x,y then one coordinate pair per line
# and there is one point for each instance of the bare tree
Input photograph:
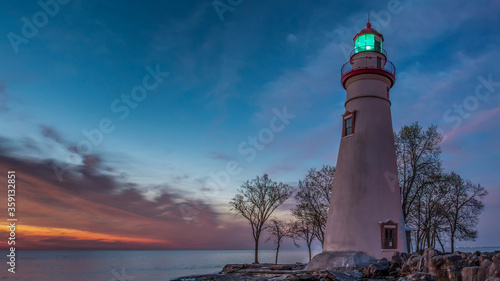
x,y
463,204
256,201
419,168
427,216
438,206
418,158
278,230
303,229
313,198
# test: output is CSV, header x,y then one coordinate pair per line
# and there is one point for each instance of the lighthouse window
x,y
348,126
389,238
349,122
389,230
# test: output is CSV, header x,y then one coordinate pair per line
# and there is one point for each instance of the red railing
x,y
368,63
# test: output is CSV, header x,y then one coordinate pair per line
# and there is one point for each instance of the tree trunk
x,y
277,251
256,250
452,242
440,243
309,248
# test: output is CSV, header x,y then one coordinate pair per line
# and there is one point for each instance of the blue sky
x,y
228,74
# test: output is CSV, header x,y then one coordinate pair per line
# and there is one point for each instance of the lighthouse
x,y
365,219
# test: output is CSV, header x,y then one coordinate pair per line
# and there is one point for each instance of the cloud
x,y
280,168
220,156
94,209
475,126
51,134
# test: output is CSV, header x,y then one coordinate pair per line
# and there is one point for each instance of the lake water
x,y
137,265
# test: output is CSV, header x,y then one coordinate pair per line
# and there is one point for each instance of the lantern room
x,y
368,40
368,56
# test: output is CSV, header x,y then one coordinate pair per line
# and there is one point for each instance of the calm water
x,y
137,265
144,265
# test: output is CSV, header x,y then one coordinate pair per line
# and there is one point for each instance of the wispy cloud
x,y
94,209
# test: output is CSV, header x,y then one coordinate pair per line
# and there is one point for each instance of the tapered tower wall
x,y
365,212
364,189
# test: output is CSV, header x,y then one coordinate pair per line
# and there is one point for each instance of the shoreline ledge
x,y
429,265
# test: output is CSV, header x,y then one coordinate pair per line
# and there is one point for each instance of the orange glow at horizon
x,y
75,234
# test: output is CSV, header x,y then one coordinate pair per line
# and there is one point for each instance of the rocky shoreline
x,y
431,265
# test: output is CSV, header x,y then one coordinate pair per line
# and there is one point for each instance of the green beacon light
x,y
368,40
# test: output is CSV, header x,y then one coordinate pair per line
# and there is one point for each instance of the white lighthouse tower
x,y
365,218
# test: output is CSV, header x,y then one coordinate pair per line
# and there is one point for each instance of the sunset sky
x,y
161,169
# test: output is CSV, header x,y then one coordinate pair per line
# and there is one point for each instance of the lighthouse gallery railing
x,y
368,63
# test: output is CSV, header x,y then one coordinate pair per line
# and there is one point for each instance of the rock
x,y
323,275
469,273
219,277
419,276
398,259
377,270
355,274
488,269
466,256
447,267
496,258
410,265
429,253
281,267
302,276
486,256
474,259
231,268
338,276
339,261
432,265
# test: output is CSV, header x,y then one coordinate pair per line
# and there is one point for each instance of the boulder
x,y
488,269
337,276
302,276
399,259
486,256
377,270
464,255
231,268
419,276
496,258
423,264
339,261
410,265
470,273
474,259
447,267
281,267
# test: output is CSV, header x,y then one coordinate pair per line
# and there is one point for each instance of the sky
x,y
131,125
